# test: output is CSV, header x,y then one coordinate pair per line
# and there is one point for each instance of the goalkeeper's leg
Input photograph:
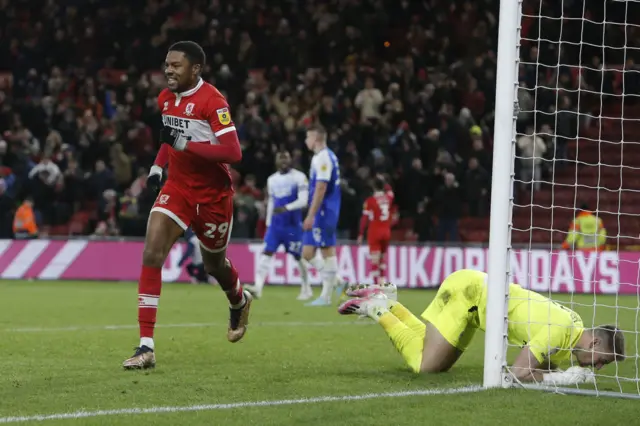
x,y
423,347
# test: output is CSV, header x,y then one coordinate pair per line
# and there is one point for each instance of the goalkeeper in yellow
x,y
548,332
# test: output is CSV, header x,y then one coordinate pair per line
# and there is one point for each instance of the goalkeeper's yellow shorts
x,y
454,311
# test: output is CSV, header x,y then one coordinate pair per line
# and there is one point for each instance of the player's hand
x,y
174,137
278,210
154,180
307,225
581,374
359,240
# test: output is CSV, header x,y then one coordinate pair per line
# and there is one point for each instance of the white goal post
x,y
567,77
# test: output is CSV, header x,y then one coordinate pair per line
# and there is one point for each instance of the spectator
x,y
6,211
422,223
478,149
101,180
121,166
73,179
107,215
587,232
532,149
24,223
449,204
46,170
140,184
369,101
477,188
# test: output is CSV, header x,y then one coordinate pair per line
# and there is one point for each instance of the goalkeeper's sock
x,y
262,272
407,318
149,286
329,276
408,342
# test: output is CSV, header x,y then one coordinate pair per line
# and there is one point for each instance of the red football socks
x,y
230,284
149,287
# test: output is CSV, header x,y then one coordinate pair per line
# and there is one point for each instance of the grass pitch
x,y
62,344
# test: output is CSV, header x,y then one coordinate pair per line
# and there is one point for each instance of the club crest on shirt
x,y
165,107
188,110
224,117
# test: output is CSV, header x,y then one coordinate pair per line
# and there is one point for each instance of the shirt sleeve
x,y
303,193
227,150
554,340
366,209
323,166
220,117
269,204
160,101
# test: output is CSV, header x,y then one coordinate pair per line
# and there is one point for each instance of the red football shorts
x,y
378,243
209,215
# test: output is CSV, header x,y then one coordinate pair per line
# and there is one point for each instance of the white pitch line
x,y
248,404
184,325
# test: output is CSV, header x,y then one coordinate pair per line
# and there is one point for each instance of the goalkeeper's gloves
x,y
174,138
573,376
154,180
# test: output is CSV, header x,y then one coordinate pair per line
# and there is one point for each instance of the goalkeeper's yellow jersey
x,y
550,329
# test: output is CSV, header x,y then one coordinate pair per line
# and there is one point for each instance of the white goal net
x,y
572,112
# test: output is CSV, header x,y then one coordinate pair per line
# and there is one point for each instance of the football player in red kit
x,y
198,140
378,214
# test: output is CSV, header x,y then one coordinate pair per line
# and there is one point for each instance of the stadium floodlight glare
x,y
567,76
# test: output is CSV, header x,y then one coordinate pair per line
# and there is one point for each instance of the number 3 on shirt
x,y
212,228
384,211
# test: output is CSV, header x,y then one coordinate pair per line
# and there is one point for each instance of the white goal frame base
x,y
578,391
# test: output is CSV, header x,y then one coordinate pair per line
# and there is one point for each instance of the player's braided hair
x,y
613,339
192,51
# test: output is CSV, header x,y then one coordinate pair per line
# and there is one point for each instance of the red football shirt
x,y
378,209
202,114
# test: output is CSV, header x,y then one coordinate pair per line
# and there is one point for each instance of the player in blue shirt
x,y
321,223
195,269
287,196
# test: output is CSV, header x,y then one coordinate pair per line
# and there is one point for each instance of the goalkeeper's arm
x,y
528,368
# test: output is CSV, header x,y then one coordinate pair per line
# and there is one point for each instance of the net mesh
x,y
578,164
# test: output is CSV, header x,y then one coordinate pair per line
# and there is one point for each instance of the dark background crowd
x,y
405,89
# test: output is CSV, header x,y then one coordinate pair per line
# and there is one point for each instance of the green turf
x,y
290,352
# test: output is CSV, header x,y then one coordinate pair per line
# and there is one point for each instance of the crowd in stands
x,y
405,89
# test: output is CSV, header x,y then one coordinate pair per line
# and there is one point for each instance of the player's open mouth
x,y
171,80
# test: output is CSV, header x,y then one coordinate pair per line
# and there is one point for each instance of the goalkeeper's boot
x,y
143,358
366,290
239,319
255,292
368,306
